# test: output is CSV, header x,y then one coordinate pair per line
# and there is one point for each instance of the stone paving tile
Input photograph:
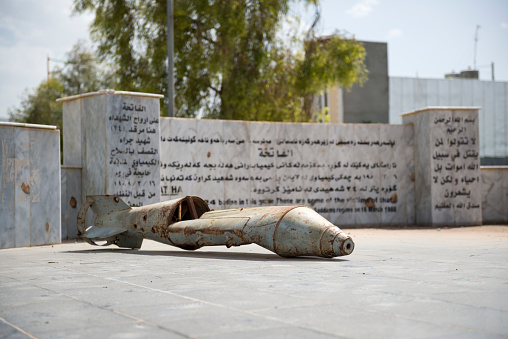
x,y
23,294
62,314
235,298
397,284
201,319
347,321
286,332
123,331
478,319
9,332
115,294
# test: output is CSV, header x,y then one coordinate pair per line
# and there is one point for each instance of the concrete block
x,y
447,165
7,195
94,130
494,182
45,212
119,141
441,158
30,185
27,185
71,200
72,135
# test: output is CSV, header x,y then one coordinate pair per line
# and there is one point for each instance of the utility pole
x,y
475,44
492,67
171,79
47,66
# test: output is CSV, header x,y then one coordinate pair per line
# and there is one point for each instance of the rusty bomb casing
x,y
189,223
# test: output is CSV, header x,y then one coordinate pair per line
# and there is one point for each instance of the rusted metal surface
x,y
188,223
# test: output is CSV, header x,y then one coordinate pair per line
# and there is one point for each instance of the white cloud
x,y
394,33
504,25
362,9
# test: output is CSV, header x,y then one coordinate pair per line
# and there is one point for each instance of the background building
x,y
382,99
408,94
362,104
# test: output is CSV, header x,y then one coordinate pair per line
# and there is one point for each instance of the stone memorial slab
x,y
93,133
26,182
30,185
408,181
263,171
351,174
442,165
70,200
395,183
179,168
209,152
236,149
315,167
467,181
7,193
494,194
341,154
45,190
366,171
294,166
72,138
448,187
119,141
133,148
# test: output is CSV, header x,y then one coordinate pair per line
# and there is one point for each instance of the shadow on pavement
x,y
208,255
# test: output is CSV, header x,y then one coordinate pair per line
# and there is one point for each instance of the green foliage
x,y
80,74
230,62
41,107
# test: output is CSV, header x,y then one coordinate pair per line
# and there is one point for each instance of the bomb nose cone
x,y
343,245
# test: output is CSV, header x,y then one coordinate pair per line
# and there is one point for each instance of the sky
x,y
426,38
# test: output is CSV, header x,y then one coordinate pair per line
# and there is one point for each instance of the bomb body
x,y
189,223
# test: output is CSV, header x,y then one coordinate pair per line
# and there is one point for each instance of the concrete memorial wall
x,y
448,185
114,137
424,172
494,194
355,174
29,185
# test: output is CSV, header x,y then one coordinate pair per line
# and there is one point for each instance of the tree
x,y
230,63
41,107
80,74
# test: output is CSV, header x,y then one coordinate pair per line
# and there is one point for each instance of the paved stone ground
x,y
448,283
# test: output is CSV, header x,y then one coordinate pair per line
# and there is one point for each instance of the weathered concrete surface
x,y
29,185
448,188
448,283
494,194
358,174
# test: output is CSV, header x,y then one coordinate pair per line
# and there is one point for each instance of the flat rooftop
x,y
410,283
